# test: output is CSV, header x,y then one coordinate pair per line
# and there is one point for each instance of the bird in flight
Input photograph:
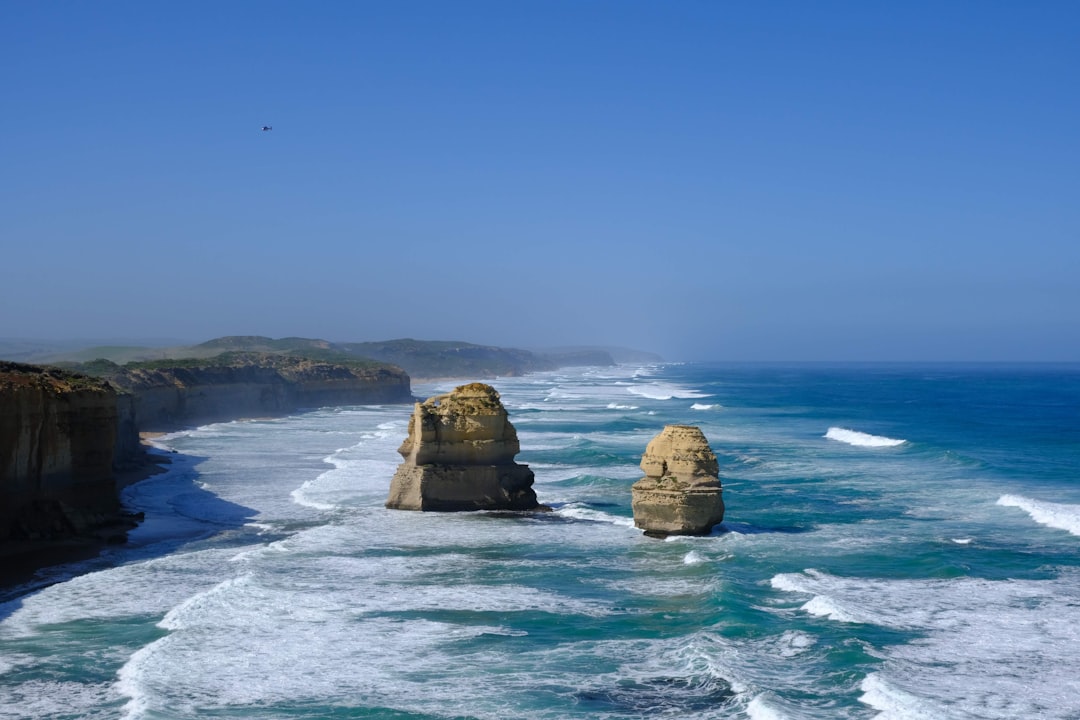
x,y
265,128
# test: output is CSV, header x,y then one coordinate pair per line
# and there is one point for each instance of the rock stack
x,y
680,493
459,455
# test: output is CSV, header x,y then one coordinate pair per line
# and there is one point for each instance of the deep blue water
x,y
900,542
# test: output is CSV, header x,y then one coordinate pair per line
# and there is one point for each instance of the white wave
x,y
360,472
301,497
179,616
583,513
793,643
1007,673
824,607
664,391
703,406
895,704
616,406
54,698
962,541
693,558
1056,515
758,709
861,439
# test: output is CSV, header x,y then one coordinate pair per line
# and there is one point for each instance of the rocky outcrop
x,y
680,493
459,455
61,435
230,386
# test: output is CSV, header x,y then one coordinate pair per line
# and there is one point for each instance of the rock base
x,y
661,512
462,488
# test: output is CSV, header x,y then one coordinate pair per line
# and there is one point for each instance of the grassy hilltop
x,y
419,358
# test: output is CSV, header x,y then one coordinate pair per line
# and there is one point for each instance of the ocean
x,y
901,541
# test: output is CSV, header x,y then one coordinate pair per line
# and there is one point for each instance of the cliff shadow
x,y
175,512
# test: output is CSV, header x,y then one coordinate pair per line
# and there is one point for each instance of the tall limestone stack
x,y
459,455
680,493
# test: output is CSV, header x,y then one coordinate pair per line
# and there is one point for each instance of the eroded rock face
x,y
459,455
253,385
680,493
58,444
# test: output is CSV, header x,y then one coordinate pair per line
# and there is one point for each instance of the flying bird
x,y
266,128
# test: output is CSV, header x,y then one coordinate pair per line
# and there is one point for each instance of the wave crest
x,y
1056,515
861,439
665,391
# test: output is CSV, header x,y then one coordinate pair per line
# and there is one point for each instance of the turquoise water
x,y
900,542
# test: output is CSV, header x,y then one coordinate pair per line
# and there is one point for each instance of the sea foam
x,y
1055,515
861,439
894,704
758,709
664,391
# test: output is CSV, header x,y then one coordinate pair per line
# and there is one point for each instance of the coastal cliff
x,y
61,436
64,436
172,393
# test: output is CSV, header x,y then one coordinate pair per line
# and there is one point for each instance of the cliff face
x,y
59,436
459,455
63,435
252,385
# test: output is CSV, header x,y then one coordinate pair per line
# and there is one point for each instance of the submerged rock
x,y
459,455
680,493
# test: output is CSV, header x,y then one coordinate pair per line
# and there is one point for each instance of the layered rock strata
x,y
680,493
459,455
252,385
61,436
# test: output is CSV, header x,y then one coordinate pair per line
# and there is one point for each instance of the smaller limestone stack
x,y
459,455
680,493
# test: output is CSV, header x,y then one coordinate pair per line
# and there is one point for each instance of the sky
x,y
792,181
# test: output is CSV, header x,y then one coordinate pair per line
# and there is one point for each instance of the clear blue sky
x,y
709,180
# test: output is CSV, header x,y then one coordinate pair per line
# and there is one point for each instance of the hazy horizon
x,y
780,181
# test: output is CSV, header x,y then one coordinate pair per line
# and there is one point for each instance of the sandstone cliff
x,y
169,394
459,455
680,493
61,434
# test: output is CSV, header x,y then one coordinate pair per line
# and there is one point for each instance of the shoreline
x,y
21,560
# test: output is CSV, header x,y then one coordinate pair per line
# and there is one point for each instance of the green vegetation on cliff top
x,y
266,359
107,368
419,358
20,374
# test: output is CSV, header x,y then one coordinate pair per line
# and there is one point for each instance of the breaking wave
x,y
1055,515
861,439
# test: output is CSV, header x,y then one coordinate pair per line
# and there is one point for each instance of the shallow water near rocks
x,y
900,542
